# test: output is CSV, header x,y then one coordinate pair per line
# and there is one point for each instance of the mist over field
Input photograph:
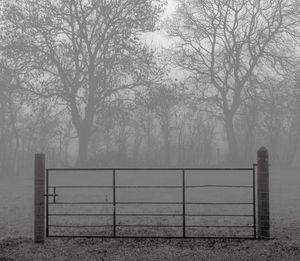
x,y
145,84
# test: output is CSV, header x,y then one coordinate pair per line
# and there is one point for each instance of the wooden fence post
x,y
39,199
263,193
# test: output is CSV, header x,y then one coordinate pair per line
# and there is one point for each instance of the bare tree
x,y
222,43
162,101
83,52
280,119
11,105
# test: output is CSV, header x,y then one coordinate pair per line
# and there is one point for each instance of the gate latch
x,y
51,195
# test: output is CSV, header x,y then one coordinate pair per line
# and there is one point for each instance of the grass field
x,y
16,222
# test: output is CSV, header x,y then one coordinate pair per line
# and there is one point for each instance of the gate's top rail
x,y
146,169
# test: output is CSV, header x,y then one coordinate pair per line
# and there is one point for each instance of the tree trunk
x,y
83,145
149,142
180,145
233,151
166,137
167,150
66,151
138,139
293,142
84,132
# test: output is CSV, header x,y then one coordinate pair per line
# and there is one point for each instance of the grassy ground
x,y
16,226
149,249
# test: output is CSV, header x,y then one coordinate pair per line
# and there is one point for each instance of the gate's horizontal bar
x,y
115,186
125,215
219,226
218,215
79,215
149,215
120,203
155,215
145,169
218,186
158,203
125,187
219,203
246,237
140,225
187,215
147,225
187,203
79,226
80,186
179,187
81,203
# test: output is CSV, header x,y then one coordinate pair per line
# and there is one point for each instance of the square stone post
x,y
39,199
263,193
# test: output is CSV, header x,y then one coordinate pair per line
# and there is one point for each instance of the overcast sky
x,y
159,38
171,5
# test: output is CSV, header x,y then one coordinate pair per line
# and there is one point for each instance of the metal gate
x,y
80,206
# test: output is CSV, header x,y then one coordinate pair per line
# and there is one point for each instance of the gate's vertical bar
x,y
114,202
39,198
183,203
47,203
254,203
